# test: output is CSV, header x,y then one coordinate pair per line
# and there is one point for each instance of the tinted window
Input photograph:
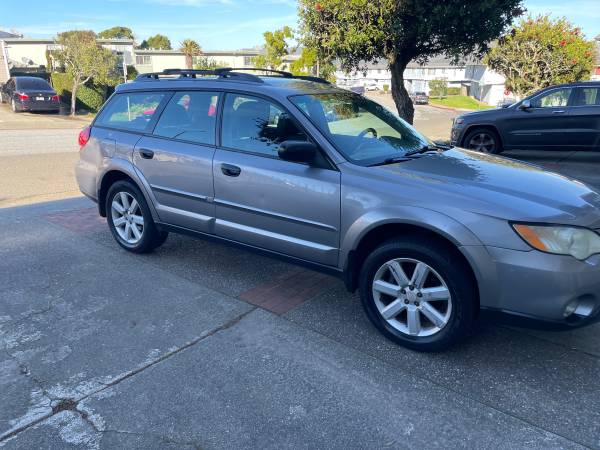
x,y
362,130
132,111
190,116
256,125
32,83
556,98
588,97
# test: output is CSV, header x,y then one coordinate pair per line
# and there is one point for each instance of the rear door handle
x,y
146,154
560,111
230,170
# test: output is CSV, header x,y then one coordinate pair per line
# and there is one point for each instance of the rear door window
x,y
587,96
130,111
190,116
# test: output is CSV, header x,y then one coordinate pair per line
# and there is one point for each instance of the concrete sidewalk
x,y
104,349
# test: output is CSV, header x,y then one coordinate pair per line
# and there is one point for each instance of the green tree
x,y
540,52
311,63
205,63
117,32
438,88
157,42
275,48
190,48
362,31
83,59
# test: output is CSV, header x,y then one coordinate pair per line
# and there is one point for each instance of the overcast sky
x,y
215,24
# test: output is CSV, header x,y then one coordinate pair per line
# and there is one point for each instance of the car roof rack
x,y
238,73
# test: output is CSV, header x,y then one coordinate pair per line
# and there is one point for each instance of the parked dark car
x,y
558,117
30,94
420,98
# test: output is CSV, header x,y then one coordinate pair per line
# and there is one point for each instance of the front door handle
x,y
560,111
146,154
230,170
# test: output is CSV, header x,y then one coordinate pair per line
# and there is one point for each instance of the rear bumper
x,y
535,289
38,106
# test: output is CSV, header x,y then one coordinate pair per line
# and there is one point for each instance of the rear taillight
x,y
22,96
84,136
55,98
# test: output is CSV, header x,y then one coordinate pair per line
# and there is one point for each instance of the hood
x,y
498,187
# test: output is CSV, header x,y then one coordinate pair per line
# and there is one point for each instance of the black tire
x,y
492,135
454,272
151,237
13,106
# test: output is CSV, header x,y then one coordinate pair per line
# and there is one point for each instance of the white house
x,y
471,76
159,60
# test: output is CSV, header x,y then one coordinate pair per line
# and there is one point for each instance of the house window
x,y
248,61
145,60
430,71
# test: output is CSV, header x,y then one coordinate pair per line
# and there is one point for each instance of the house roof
x,y
6,34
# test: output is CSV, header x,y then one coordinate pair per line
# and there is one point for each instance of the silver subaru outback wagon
x,y
432,236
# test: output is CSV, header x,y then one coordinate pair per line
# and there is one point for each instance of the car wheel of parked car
x,y
13,105
130,220
483,140
418,293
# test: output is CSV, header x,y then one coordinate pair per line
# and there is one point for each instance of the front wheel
x,y
130,220
483,140
418,293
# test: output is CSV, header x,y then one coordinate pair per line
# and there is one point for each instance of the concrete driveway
x,y
199,345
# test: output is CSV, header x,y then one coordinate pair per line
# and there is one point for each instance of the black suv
x,y
558,117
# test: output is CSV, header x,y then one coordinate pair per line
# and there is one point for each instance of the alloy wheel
x,y
127,217
482,142
412,297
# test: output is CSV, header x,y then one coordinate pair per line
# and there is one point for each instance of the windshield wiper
x,y
430,148
394,160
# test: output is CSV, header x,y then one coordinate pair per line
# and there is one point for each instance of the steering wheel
x,y
366,131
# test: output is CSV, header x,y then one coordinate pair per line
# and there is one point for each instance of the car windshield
x,y
32,83
363,131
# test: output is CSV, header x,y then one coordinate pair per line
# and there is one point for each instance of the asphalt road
x,y
200,345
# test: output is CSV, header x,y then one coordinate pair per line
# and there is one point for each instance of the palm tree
x,y
190,48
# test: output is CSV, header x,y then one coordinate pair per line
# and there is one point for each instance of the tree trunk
x,y
74,97
189,62
400,95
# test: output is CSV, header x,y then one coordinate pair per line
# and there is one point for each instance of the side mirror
x,y
297,151
525,104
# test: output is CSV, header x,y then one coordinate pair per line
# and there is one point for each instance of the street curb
x,y
448,108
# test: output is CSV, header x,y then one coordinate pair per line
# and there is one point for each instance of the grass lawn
x,y
459,101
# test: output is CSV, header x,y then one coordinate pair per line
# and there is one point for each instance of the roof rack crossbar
x,y
225,73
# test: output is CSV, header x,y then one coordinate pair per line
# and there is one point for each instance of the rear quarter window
x,y
130,111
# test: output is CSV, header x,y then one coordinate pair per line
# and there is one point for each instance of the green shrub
x,y
386,87
131,72
89,97
453,91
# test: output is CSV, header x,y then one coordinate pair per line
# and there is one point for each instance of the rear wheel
x,y
483,140
130,220
13,106
418,294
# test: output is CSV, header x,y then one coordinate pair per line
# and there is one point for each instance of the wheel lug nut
x,y
419,295
412,288
406,302
403,291
416,303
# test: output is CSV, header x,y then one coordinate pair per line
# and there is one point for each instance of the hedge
x,y
453,91
89,97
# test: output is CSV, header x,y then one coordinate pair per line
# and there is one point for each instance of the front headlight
x,y
459,121
580,243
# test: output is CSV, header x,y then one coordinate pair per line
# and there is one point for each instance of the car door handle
x,y
560,111
146,154
230,170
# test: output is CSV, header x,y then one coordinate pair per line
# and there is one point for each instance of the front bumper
x,y
536,289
